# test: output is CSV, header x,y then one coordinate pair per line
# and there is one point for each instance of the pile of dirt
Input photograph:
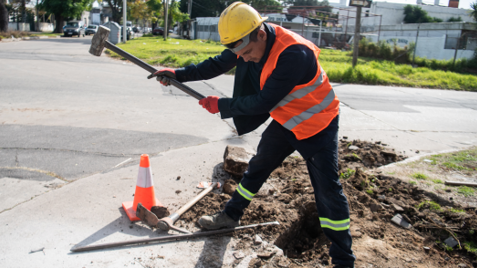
x,y
374,200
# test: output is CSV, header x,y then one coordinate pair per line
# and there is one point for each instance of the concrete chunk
x,y
257,240
236,160
451,242
398,219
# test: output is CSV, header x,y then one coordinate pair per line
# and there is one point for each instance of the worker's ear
x,y
262,35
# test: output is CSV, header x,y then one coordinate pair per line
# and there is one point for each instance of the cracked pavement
x,y
72,128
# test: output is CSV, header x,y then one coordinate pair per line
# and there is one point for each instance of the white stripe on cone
x,y
144,177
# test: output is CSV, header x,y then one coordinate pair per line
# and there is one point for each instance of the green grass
x,y
431,204
470,247
347,174
47,34
337,64
465,160
438,181
419,176
172,52
465,191
413,182
453,210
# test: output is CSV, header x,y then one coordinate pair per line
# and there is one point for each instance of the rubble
x,y
236,160
391,223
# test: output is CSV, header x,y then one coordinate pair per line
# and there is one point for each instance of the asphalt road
x,y
72,128
67,113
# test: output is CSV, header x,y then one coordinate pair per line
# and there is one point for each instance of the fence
x,y
19,26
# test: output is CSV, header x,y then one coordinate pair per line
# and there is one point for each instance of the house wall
x,y
393,13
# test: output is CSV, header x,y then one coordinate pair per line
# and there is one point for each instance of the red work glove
x,y
164,75
211,103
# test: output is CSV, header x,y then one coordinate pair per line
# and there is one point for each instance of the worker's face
x,y
254,50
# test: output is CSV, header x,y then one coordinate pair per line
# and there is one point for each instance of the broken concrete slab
x,y
451,242
236,160
399,220
397,208
258,240
239,255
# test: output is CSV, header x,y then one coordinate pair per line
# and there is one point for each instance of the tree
x,y
64,10
204,8
175,15
3,17
138,10
116,9
415,14
155,9
473,13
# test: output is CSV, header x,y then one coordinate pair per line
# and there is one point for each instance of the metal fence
x,y
467,43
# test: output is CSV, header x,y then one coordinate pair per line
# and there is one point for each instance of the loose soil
x,y
374,199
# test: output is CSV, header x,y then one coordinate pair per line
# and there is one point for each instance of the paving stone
x,y
236,160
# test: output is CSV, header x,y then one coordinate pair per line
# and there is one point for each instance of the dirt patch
x,y
374,200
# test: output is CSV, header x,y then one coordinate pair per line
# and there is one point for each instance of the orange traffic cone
x,y
144,190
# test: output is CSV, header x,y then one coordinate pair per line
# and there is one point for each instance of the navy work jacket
x,y
250,106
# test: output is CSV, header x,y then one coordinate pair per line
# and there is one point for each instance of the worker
x,y
278,75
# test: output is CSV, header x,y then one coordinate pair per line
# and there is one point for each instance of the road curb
x,y
8,40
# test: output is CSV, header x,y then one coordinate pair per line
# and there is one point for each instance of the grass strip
x,y
337,64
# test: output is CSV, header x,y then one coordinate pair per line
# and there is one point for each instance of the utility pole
x,y
319,35
189,8
166,7
456,49
356,35
124,21
37,25
415,45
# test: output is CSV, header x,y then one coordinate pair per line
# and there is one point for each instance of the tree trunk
x,y
24,17
116,9
59,23
3,17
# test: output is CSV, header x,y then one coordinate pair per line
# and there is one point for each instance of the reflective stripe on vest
x,y
245,193
308,108
334,225
297,119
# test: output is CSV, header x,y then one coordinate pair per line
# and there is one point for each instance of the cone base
x,y
131,211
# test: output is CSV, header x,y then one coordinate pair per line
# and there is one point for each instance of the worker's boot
x,y
217,221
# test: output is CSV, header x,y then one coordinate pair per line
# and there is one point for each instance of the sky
x,y
462,3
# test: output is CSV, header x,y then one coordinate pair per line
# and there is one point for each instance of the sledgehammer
x,y
167,223
100,41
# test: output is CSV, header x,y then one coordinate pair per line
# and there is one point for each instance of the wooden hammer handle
x,y
152,70
196,199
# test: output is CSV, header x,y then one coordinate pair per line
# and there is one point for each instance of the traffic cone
x,y
144,190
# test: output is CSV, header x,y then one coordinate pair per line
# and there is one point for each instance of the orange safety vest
x,y
308,108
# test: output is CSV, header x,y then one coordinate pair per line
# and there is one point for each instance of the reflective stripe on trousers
x,y
334,225
245,193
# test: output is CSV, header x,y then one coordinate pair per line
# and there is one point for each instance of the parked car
x,y
136,29
74,28
158,31
128,33
91,29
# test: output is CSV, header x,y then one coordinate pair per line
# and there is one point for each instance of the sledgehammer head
x,y
99,41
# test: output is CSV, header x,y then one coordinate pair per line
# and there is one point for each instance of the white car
x,y
91,29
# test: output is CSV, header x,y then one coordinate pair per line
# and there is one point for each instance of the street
x,y
73,126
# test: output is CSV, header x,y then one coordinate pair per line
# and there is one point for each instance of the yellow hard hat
x,y
237,21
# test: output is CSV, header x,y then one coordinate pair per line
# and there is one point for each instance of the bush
x,y
392,52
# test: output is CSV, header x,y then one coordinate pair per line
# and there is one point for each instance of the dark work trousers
x,y
331,203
